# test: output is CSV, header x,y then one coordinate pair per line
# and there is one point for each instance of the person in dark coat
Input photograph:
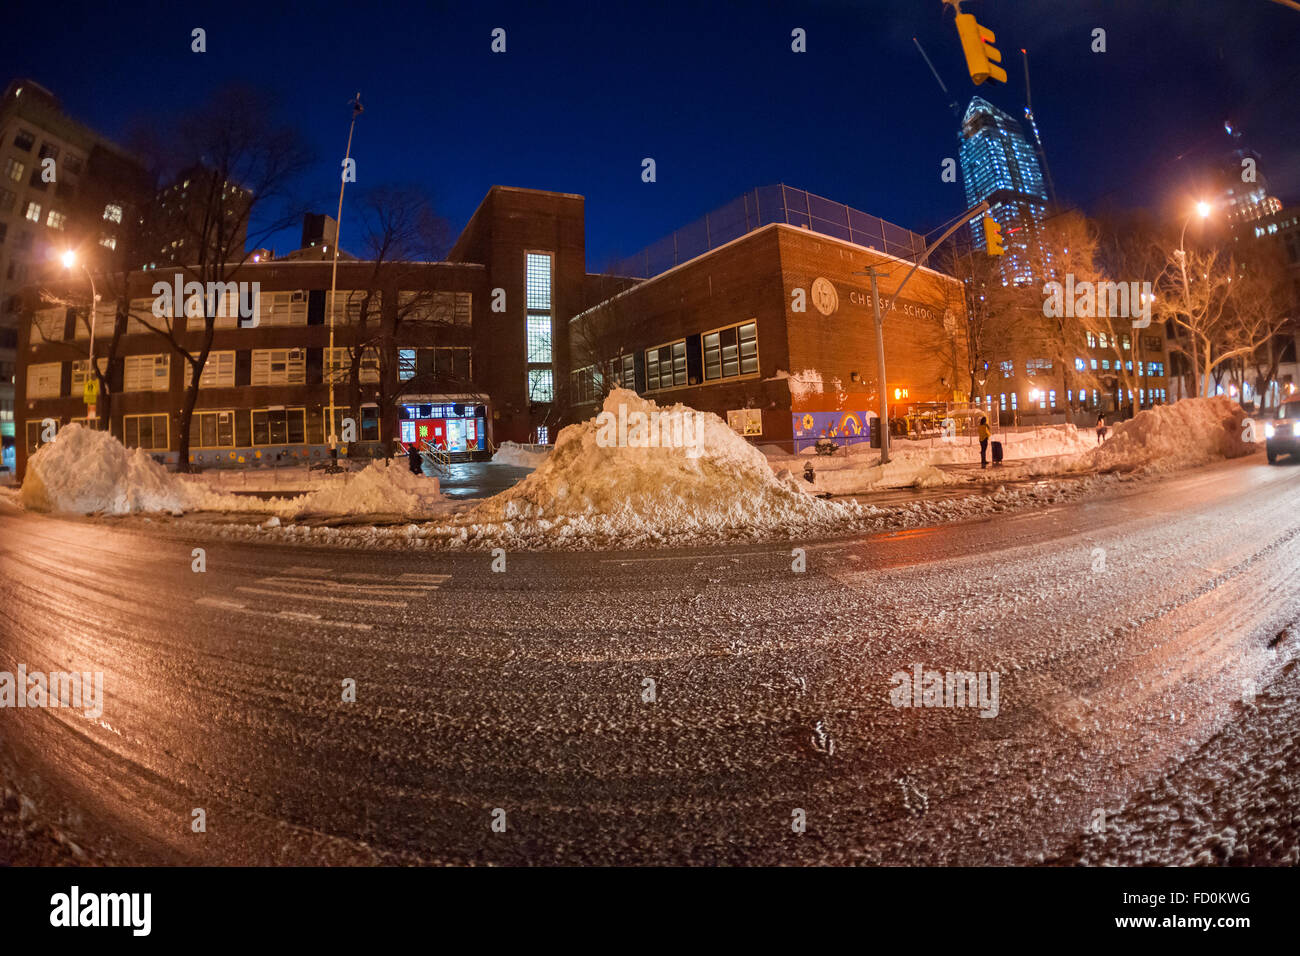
x,y
1101,429
413,456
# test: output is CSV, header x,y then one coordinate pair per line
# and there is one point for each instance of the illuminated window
x,y
146,373
665,366
730,352
405,364
33,211
56,220
43,381
279,367
538,281
539,338
14,169
80,371
219,371
113,212
541,388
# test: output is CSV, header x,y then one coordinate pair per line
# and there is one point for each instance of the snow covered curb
x,y
84,471
856,519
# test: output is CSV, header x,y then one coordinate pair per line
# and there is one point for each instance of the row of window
x,y
145,373
726,353
24,139
1152,369
588,384
274,309
1111,340
218,428
1046,398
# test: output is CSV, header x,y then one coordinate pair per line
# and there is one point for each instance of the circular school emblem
x,y
825,299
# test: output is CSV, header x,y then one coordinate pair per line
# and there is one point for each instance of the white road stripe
x,y
319,597
418,589
298,570
280,615
427,578
218,602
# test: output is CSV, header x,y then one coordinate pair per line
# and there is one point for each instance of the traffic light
x,y
981,55
993,237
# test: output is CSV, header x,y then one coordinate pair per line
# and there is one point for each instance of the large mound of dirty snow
x,y
638,472
1188,432
521,456
380,488
84,471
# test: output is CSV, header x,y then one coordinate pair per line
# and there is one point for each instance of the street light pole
x,y
334,269
69,260
879,313
1203,210
880,365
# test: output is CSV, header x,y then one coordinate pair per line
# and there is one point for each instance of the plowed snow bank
x,y
618,476
84,471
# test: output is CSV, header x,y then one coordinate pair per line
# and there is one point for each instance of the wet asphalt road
x,y
1122,630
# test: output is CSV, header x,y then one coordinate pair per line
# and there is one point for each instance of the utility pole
x,y
334,270
874,273
880,365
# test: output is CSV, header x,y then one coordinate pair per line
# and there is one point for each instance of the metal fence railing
x,y
763,206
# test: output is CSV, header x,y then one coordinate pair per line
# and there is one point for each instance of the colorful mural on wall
x,y
842,427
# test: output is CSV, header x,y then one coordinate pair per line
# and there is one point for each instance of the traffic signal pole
x,y
880,313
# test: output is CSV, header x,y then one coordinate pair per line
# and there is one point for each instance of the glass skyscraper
x,y
998,163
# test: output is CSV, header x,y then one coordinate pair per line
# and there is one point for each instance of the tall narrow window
x,y
538,326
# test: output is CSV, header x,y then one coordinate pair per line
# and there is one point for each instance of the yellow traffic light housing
x,y
981,55
993,237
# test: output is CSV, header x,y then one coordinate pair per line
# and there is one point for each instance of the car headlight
x,y
1295,429
1268,431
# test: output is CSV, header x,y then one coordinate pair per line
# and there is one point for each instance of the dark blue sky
x,y
711,91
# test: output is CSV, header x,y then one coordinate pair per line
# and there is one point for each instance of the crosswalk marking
x,y
225,605
330,599
320,583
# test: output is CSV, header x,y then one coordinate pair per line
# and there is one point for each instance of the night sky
x,y
711,91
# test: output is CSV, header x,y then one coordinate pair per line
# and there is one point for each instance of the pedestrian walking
x,y
1101,429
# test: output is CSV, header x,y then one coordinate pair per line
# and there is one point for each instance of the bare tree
x,y
400,235
241,163
1195,293
600,336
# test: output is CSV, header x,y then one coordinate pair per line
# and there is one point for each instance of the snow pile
x,y
639,473
382,487
1189,432
521,456
84,471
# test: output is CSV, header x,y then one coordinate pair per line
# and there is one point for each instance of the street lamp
x,y
69,260
1201,209
334,269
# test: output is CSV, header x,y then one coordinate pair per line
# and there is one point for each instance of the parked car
x,y
1282,435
